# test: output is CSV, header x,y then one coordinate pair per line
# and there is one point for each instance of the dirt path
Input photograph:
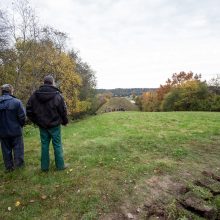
x,y
166,198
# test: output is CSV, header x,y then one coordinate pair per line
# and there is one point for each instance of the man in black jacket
x,y
12,119
47,109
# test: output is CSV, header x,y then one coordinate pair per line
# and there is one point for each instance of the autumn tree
x,y
37,51
176,80
183,92
192,95
148,102
87,89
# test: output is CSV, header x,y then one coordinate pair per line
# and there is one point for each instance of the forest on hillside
x,y
123,92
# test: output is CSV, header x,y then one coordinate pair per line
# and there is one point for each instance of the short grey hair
x,y
7,88
49,80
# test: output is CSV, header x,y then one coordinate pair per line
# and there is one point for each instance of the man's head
x,y
7,88
49,80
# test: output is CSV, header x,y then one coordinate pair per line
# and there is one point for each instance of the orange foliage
x,y
176,80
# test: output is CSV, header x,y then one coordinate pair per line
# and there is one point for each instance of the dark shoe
x,y
9,170
19,164
44,170
22,166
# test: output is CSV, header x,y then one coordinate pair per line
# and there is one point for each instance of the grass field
x,y
111,157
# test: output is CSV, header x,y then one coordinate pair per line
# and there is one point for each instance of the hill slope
x,y
116,161
117,104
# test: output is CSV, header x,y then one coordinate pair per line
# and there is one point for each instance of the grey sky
x,y
138,43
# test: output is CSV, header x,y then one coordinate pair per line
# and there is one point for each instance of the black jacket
x,y
12,116
46,107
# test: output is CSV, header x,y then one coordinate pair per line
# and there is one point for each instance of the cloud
x,y
139,43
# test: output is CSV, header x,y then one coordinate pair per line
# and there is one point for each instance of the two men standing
x,y
45,108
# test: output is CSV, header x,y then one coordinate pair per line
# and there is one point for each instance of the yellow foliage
x,y
33,61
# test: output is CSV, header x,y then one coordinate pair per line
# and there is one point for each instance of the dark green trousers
x,y
46,135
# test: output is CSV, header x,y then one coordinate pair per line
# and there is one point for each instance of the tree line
x,y
183,92
29,51
125,92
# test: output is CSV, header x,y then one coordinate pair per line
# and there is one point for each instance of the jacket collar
x,y
5,97
50,87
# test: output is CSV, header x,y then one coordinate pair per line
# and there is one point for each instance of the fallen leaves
x,y
69,171
43,197
18,203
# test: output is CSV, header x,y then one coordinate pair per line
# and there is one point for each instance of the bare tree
x,y
31,43
214,84
4,31
55,36
24,31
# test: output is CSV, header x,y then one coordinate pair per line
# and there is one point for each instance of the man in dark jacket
x,y
12,119
47,109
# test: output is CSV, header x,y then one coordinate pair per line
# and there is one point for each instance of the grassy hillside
x,y
117,104
114,160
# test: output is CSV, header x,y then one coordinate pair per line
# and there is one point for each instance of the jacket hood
x,y
46,93
5,97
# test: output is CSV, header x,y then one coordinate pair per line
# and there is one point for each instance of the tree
x,y
149,102
88,101
170,100
214,84
176,80
87,90
4,31
192,95
183,92
6,55
214,88
38,51
24,32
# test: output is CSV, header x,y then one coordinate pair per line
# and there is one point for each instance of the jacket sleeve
x,y
62,109
21,114
29,110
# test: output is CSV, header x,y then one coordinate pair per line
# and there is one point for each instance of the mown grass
x,y
108,154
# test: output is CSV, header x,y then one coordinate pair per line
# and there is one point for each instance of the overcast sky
x,y
138,43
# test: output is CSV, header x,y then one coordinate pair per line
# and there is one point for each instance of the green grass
x,y
109,154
